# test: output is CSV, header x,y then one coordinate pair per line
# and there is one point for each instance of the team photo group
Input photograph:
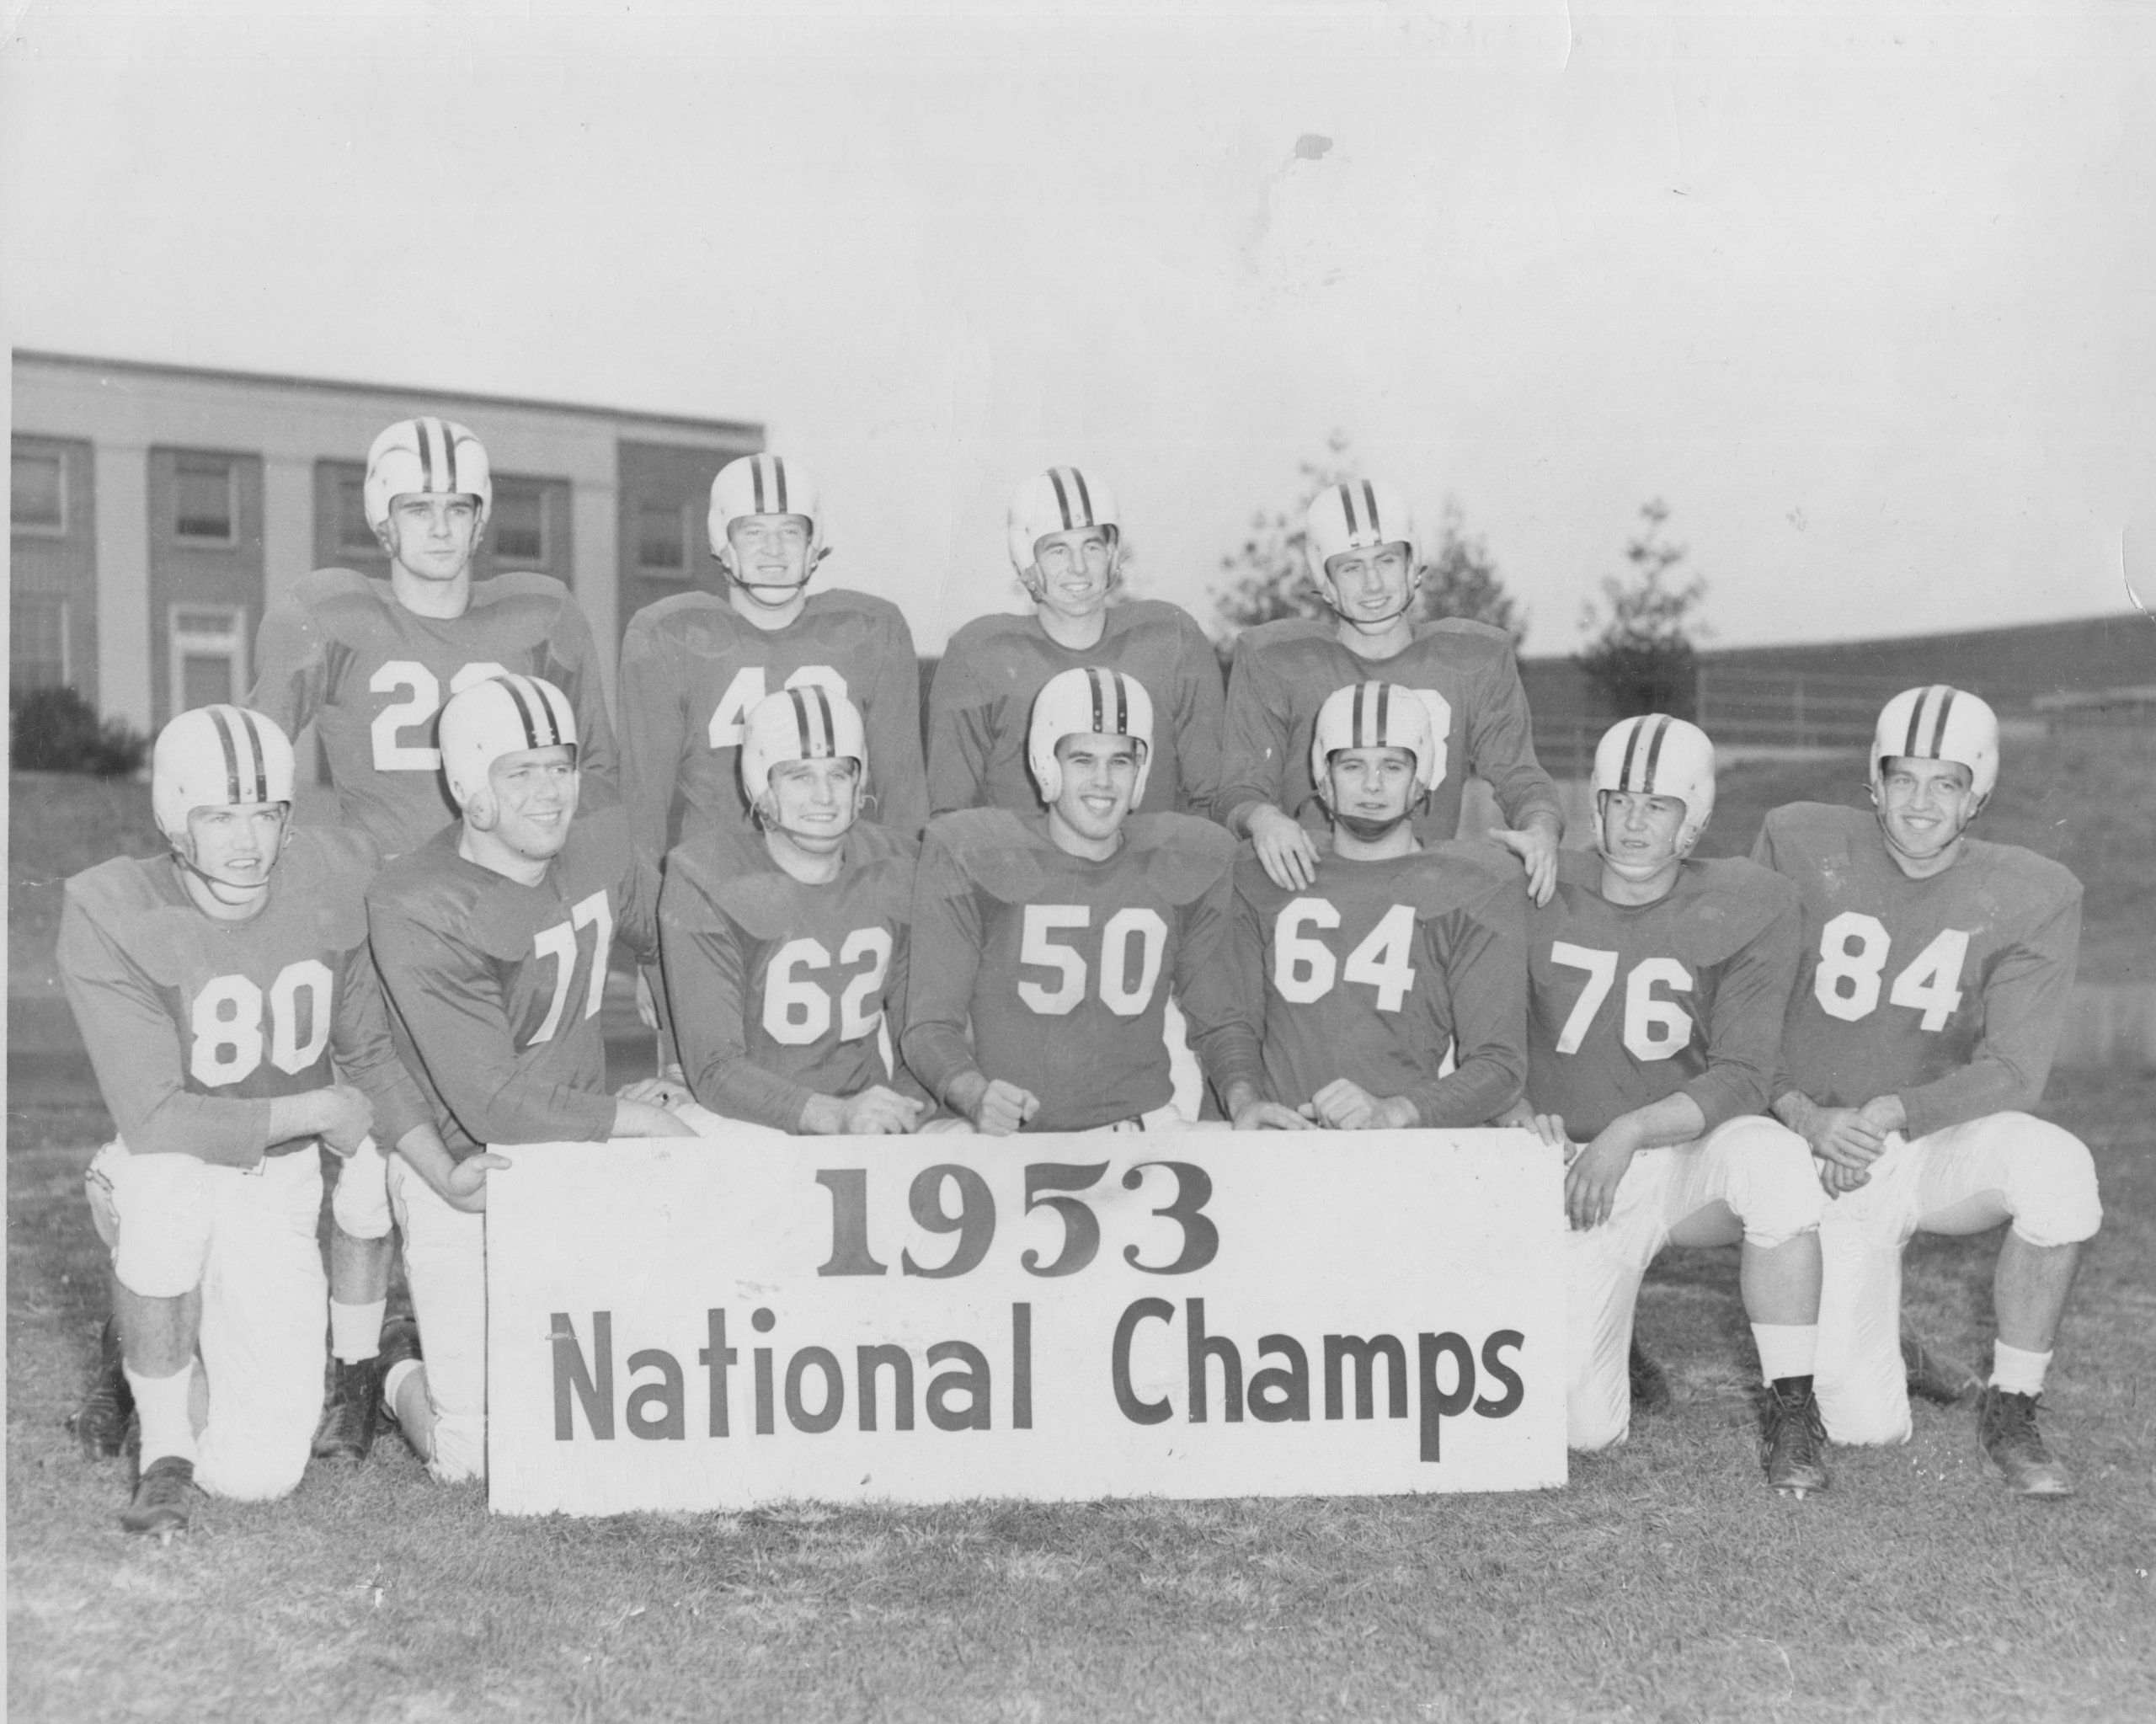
x,y
1112,891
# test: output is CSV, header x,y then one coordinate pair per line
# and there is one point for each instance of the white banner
x,y
679,1325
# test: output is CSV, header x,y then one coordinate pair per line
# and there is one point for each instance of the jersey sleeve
x,y
1201,718
291,667
572,666
958,740
1253,741
893,714
135,1048
946,946
360,1043
450,1003
1216,1010
654,733
1482,948
2025,1005
1501,747
706,985
1744,1023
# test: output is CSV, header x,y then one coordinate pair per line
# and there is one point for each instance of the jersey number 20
x,y
423,700
227,1020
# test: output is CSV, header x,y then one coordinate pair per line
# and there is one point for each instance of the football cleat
x,y
1650,1383
2006,1425
1793,1443
1934,1377
100,1423
353,1410
163,1499
400,1340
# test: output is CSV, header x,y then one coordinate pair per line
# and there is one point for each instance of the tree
x,y
1641,659
1268,577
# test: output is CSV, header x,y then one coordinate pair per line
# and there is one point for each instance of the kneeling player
x,y
785,953
1393,952
1059,936
493,939
214,988
1656,990
1933,977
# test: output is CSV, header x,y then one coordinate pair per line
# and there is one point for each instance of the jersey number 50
x,y
1118,992
227,1020
1852,950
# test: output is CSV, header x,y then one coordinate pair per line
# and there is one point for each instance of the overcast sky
x,y
1866,298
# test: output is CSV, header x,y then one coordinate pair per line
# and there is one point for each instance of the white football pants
x,y
446,1261
1747,1179
1966,1179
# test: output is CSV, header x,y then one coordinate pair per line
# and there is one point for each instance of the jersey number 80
x,y
226,1021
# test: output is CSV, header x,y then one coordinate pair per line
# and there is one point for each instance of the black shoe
x,y
163,1502
350,1415
1793,1443
1934,1377
100,1423
2006,1425
1650,1383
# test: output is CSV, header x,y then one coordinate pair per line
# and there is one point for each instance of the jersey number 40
x,y
1304,969
1853,950
748,687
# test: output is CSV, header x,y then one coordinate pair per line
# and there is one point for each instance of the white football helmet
x,y
806,723
1375,715
763,484
1358,515
216,757
1054,501
1938,723
1654,755
503,715
1088,702
426,457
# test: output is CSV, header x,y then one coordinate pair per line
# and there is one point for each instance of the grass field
x,y
1664,1582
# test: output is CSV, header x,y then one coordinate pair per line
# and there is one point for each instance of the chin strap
x,y
1367,830
213,882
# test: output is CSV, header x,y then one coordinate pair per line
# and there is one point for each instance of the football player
x,y
1059,935
1394,953
694,665
1365,559
784,954
492,939
1065,538
369,663
214,987
1656,989
1933,974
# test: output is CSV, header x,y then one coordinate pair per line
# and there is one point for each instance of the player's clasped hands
x,y
1002,1108
879,1111
1344,1105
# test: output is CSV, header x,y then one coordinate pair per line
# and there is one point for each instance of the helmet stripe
x,y
827,739
222,726
449,454
1348,509
1084,497
1661,723
518,699
557,707
778,484
1939,731
1385,715
1358,716
1916,721
261,755
1062,497
1371,510
1631,748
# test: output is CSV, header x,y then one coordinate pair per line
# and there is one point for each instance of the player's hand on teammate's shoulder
x,y
1344,1105
1285,851
1535,845
349,1117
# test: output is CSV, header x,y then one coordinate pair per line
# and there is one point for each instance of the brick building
x,y
157,510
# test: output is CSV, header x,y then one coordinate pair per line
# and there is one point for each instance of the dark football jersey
x,y
778,986
494,987
982,702
1373,969
195,1025
1284,670
1063,966
1950,992
691,668
1630,1003
337,651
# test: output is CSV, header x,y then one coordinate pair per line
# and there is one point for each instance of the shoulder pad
x,y
2028,873
335,596
1189,856
1466,629
659,616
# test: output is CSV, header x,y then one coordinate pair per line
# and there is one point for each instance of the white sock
x,y
355,1330
392,1385
161,1403
2016,1372
1786,1349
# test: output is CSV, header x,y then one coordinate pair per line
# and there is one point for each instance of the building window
x,y
208,655
38,493
519,522
37,653
663,539
202,499
353,533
